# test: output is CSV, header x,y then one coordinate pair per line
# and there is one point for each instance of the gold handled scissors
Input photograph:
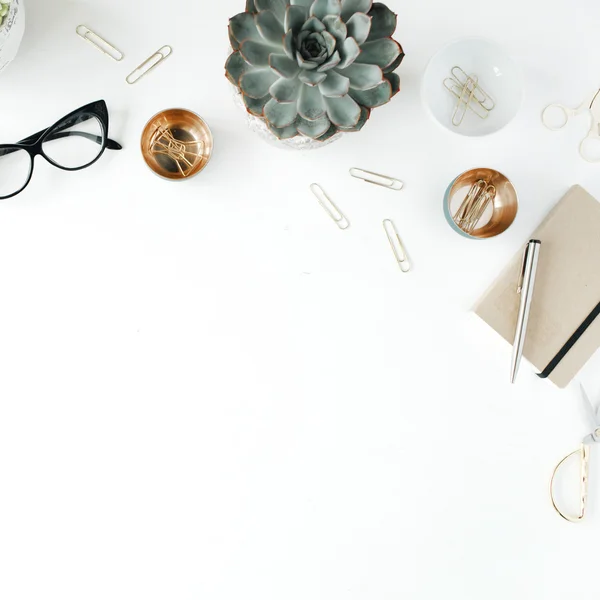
x,y
590,106
593,414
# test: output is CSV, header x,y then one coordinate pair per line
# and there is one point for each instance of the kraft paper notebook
x,y
564,326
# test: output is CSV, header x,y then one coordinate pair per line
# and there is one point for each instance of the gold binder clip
x,y
329,207
149,64
387,182
397,246
98,42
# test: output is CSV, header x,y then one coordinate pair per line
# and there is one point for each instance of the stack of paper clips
x,y
474,206
471,96
164,142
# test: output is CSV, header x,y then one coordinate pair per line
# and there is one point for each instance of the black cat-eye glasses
x,y
73,143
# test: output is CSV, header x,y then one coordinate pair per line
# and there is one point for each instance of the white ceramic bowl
x,y
497,74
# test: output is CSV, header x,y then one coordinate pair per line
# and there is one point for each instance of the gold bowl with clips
x,y
177,144
502,209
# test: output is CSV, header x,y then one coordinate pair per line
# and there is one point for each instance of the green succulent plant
x,y
314,67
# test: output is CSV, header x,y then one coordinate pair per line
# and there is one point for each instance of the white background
x,y
207,391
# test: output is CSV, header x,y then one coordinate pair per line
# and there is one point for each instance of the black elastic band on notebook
x,y
569,345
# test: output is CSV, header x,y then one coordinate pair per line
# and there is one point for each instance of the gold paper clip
x,y
387,182
329,207
476,189
100,43
397,245
456,91
471,96
474,205
149,64
464,101
479,94
479,208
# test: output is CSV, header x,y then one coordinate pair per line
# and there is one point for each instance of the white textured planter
x,y
11,32
300,142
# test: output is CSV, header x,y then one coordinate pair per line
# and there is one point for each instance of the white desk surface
x,y
207,391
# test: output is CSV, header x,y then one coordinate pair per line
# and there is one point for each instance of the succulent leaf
x,y
329,133
395,64
314,67
349,52
312,77
325,8
359,27
305,64
330,42
365,113
269,27
344,111
280,114
332,62
362,77
277,6
235,67
313,25
256,83
383,22
284,66
243,27
289,46
235,45
335,85
256,53
256,106
295,17
374,97
311,105
313,129
381,52
286,90
336,27
284,133
394,80
351,7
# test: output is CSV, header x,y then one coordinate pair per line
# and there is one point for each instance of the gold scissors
x,y
590,106
593,414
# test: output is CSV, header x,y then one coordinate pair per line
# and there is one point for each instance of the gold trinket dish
x,y
486,215
177,144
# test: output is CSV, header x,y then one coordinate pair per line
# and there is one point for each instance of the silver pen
x,y
525,289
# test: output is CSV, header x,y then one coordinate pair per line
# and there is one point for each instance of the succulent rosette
x,y
314,67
